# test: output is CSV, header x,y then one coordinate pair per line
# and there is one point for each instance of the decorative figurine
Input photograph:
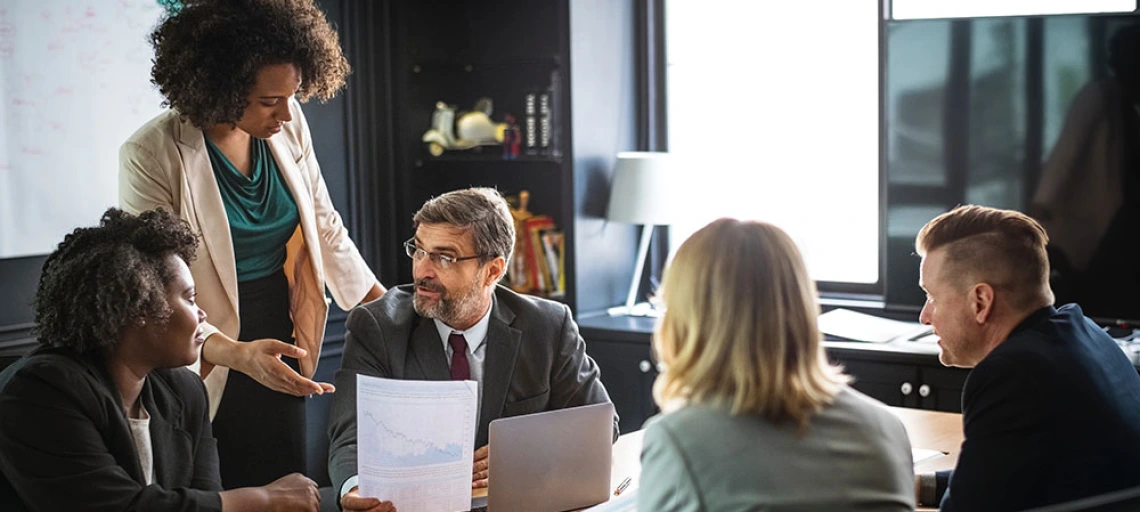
x,y
471,129
512,138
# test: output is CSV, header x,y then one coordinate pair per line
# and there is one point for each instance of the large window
x,y
919,9
773,107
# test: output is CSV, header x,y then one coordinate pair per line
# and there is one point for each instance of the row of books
x,y
538,265
537,122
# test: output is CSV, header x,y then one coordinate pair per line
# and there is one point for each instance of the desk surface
x,y
932,430
639,330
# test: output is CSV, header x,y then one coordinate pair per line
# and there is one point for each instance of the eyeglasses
x,y
442,260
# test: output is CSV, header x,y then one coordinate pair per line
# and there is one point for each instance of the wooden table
x,y
933,430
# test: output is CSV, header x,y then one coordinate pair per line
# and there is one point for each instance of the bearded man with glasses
x,y
454,322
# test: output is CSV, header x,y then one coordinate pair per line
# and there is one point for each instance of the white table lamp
x,y
645,191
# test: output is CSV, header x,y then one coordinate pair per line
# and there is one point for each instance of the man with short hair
x,y
455,323
1051,410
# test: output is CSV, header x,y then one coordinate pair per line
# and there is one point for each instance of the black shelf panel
x,y
487,154
558,298
433,66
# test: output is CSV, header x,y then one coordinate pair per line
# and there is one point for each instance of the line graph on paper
x,y
422,436
415,441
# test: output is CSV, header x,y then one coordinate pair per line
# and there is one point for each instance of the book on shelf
x,y
538,272
530,122
544,121
555,256
538,264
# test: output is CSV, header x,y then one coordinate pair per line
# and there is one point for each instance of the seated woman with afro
x,y
103,415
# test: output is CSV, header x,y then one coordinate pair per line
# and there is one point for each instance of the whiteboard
x,y
74,84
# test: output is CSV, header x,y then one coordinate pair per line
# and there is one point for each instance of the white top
x,y
140,431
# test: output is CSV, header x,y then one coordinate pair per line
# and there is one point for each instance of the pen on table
x,y
621,487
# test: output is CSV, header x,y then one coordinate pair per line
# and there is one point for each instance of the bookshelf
x,y
457,52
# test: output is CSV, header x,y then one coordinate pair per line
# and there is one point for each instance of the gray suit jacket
x,y
535,361
855,455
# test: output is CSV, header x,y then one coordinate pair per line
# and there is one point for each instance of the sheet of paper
x,y
921,455
855,326
415,442
626,502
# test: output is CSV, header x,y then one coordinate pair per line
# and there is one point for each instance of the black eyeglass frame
x,y
444,261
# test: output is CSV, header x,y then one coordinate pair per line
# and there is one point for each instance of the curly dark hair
x,y
101,279
207,55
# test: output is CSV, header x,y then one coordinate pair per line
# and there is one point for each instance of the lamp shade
x,y
645,189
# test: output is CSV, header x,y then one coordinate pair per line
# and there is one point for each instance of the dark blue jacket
x,y
1050,415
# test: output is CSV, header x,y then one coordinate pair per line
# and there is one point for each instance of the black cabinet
x,y
628,373
905,384
901,376
620,346
892,384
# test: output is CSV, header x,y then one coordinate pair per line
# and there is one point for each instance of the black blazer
x,y
65,443
535,361
1050,415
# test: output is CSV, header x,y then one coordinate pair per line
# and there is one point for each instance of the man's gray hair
x,y
482,211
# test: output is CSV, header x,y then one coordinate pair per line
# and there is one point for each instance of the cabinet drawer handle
x,y
907,388
645,366
924,391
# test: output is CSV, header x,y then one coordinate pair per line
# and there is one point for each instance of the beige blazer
x,y
165,165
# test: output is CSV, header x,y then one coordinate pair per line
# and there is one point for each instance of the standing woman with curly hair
x,y
103,415
233,157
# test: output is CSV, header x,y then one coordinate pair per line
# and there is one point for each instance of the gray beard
x,y
447,310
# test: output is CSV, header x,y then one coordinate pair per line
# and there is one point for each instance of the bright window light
x,y
773,106
923,9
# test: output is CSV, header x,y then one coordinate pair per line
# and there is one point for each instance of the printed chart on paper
x,y
416,442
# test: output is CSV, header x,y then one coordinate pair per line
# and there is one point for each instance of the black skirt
x,y
260,432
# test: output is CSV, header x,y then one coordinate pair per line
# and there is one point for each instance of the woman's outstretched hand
x,y
261,361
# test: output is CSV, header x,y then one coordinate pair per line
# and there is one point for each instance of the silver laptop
x,y
551,461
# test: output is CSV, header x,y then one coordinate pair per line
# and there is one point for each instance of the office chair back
x,y
6,361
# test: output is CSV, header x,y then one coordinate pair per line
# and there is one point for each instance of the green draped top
x,y
261,210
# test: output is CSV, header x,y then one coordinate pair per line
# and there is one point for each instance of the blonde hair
x,y
1004,248
739,330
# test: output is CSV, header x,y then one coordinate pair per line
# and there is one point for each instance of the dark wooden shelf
x,y
459,64
487,154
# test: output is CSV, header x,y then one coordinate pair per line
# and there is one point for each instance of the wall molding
x,y
368,125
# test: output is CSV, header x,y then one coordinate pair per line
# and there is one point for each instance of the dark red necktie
x,y
460,369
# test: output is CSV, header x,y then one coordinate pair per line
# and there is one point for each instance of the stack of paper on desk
x,y
855,326
920,455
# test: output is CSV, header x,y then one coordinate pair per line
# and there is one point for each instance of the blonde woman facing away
x,y
754,418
